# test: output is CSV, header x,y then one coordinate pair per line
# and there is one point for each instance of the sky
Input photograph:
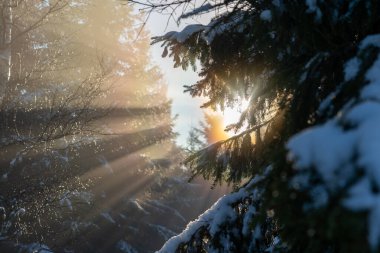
x,y
187,108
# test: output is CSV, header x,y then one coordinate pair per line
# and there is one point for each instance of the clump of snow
x,y
208,32
370,40
351,68
310,149
266,15
186,33
367,116
372,91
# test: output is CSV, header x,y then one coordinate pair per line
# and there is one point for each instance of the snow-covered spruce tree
x,y
311,71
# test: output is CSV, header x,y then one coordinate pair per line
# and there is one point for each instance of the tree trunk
x,y
6,40
5,55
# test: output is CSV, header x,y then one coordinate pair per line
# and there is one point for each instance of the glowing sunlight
x,y
231,115
219,120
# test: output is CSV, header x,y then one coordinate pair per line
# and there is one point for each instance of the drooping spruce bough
x,y
311,71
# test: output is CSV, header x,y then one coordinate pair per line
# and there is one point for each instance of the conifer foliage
x,y
311,71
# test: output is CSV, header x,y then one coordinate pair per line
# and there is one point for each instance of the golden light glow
x,y
232,115
218,121
214,121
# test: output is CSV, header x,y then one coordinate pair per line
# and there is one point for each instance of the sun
x,y
218,121
231,115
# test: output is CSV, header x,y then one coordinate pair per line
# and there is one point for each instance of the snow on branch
x,y
208,32
211,227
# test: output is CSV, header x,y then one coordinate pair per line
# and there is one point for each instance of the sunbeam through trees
x,y
87,152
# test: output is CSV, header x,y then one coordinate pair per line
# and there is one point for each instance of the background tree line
x,y
87,157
